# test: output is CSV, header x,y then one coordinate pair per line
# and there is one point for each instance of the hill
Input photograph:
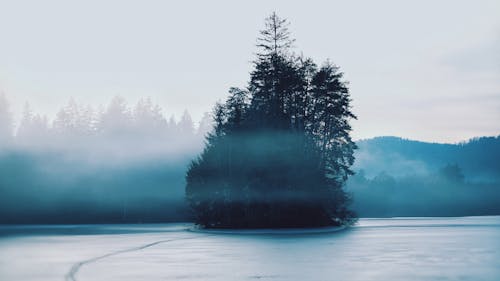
x,y
478,158
400,177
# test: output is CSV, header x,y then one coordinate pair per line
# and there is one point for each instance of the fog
x,y
126,162
117,163
398,177
477,157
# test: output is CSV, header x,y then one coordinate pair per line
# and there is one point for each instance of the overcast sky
x,y
425,70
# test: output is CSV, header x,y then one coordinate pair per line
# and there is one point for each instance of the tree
x,y
186,125
281,150
117,119
6,125
275,80
275,38
330,115
206,125
148,117
33,129
74,120
452,173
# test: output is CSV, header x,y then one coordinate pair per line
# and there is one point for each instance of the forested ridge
x,y
400,177
477,157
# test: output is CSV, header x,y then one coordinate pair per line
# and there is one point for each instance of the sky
x,y
424,70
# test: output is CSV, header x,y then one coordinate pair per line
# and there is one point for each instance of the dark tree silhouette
x,y
275,37
280,151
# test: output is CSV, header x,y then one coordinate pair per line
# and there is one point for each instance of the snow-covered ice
x,y
375,249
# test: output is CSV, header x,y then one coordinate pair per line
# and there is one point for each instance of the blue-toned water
x,y
375,249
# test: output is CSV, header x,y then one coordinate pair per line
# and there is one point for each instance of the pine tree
x,y
6,125
32,127
186,125
275,38
117,118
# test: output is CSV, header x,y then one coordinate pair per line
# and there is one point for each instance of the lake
x,y
465,248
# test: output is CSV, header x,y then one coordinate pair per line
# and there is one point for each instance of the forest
x,y
118,163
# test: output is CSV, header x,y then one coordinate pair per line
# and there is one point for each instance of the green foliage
x,y
281,150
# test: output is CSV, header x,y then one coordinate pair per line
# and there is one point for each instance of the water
x,y
375,249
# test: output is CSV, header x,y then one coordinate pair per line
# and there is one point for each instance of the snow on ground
x,y
375,249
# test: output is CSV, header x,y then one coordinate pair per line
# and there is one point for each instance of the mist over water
x,y
120,163
398,177
127,163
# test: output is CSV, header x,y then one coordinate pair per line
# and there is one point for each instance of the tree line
x,y
117,163
83,125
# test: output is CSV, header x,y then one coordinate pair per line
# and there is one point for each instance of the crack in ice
x,y
71,275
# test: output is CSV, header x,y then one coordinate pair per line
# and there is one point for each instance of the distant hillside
x,y
394,177
398,177
479,158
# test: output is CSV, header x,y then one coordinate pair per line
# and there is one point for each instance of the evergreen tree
x,y
117,119
186,125
32,127
75,120
205,125
280,151
148,118
6,125
275,37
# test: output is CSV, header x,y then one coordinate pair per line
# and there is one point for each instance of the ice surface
x,y
375,249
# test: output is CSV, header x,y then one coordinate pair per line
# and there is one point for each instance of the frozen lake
x,y
375,249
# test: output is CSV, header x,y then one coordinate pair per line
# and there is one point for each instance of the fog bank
x,y
120,163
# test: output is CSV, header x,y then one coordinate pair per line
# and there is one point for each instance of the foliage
x,y
281,150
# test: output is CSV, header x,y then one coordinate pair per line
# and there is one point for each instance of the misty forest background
x,y
123,163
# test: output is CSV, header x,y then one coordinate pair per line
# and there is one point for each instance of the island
x,y
280,151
